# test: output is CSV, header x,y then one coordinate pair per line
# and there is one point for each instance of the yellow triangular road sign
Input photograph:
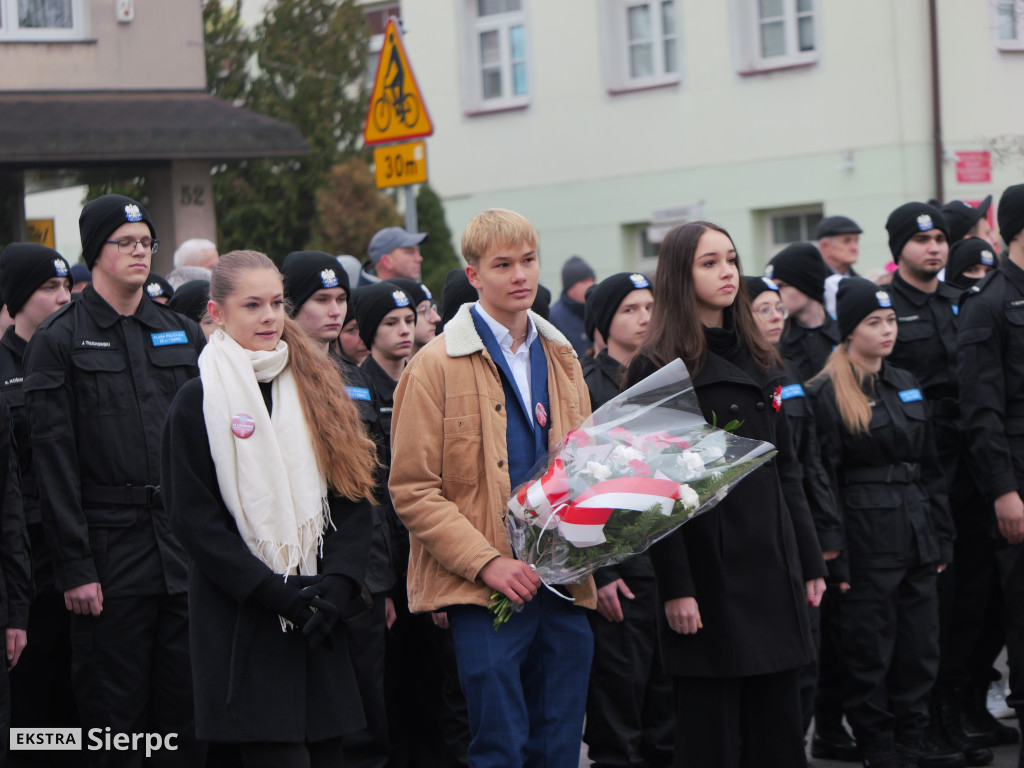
x,y
397,110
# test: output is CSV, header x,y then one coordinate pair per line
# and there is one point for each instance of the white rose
x,y
691,461
624,454
597,470
688,496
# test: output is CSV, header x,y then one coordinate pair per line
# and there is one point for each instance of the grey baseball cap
x,y
386,240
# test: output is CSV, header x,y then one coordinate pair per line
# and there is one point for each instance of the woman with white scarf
x,y
268,477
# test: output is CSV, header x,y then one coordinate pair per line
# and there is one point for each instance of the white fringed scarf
x,y
270,481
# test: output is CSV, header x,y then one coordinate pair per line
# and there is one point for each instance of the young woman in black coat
x,y
267,475
736,582
877,446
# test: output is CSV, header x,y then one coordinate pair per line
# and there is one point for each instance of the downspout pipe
x,y
937,149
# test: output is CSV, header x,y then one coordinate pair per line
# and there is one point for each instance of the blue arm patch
x,y
792,390
169,337
358,393
911,395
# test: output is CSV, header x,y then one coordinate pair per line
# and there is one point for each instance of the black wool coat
x,y
253,682
747,560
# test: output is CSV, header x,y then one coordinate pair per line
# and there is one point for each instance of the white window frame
x,y
471,27
1013,44
10,32
807,233
616,46
747,15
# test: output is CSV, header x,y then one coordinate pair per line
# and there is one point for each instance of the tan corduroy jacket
x,y
449,460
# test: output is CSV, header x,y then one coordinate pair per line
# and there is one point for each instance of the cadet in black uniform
x,y
268,477
926,311
735,583
37,282
876,443
316,289
831,740
99,377
991,372
810,334
629,700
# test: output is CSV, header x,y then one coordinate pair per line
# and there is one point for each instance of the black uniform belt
x,y
894,473
121,495
945,407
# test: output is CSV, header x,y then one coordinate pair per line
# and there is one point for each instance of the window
x,y
41,20
497,51
791,225
644,44
777,33
1010,25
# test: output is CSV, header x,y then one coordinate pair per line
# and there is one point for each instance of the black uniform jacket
x,y
747,560
16,589
389,544
12,376
817,485
991,371
97,389
926,342
253,682
604,376
889,483
809,348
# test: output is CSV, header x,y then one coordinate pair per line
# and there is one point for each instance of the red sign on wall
x,y
973,168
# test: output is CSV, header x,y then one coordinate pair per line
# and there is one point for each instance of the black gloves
x,y
335,597
284,596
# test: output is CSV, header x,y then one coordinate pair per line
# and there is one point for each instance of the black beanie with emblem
x,y
603,302
758,285
191,299
965,254
415,290
99,219
801,266
26,266
1010,213
157,287
306,272
375,301
856,299
909,219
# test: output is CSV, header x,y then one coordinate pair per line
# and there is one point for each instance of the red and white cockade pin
x,y
542,414
777,399
243,425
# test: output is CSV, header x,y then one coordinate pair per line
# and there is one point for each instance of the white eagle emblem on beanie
x,y
883,299
401,300
639,281
132,212
329,279
60,267
154,290
987,258
924,222
769,271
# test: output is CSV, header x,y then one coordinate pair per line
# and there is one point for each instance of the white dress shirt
x,y
518,361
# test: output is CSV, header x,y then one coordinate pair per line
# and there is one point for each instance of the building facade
x,y
606,122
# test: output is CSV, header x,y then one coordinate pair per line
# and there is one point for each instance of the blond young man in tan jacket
x,y
474,410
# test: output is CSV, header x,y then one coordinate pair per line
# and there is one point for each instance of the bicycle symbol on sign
x,y
395,102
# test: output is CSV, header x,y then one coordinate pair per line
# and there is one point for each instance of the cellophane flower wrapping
x,y
639,467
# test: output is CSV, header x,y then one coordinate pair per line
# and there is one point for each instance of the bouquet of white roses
x,y
642,465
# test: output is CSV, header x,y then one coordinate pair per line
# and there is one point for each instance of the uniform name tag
x,y
1017,303
911,395
792,390
908,318
15,380
169,337
88,344
358,393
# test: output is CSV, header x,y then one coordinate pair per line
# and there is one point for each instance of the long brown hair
x,y
848,381
675,329
344,453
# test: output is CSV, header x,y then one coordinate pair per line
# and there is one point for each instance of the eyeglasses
x,y
427,309
766,311
128,245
